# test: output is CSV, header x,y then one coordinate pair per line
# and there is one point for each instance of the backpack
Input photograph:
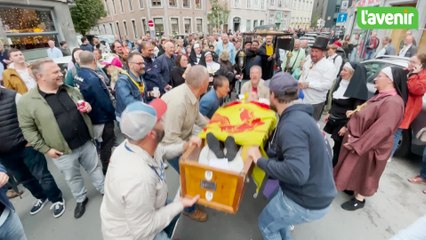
x,y
340,52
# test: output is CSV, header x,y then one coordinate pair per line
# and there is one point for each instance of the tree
x,y
86,13
219,14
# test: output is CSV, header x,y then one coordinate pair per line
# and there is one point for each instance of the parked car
x,y
409,143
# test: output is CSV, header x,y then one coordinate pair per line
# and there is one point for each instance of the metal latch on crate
x,y
208,185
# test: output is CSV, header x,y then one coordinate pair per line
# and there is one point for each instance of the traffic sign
x,y
150,23
341,19
344,5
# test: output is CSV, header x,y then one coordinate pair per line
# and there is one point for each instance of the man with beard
x,y
135,201
252,58
270,56
152,76
298,158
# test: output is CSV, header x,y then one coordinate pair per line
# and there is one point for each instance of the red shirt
x,y
416,89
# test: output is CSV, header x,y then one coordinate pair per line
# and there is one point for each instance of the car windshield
x,y
373,68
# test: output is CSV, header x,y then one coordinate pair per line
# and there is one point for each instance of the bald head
x,y
87,59
296,44
225,38
197,79
409,39
169,48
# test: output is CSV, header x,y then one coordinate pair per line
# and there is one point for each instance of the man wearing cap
x,y
183,114
298,158
135,201
317,77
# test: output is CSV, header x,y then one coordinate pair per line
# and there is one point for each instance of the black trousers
x,y
108,140
29,167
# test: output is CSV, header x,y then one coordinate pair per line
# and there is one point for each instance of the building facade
x,y
301,13
245,15
129,18
29,24
279,13
318,11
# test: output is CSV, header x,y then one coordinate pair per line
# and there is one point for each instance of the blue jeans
x,y
12,228
370,53
280,213
175,164
29,167
414,231
396,137
423,170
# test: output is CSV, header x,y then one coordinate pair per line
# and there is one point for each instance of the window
x,y
29,32
199,25
272,3
174,22
107,8
280,3
156,3
248,3
237,3
187,25
144,26
121,6
113,7
125,28
118,29
105,31
134,29
185,3
255,23
141,3
262,4
248,25
172,3
198,4
111,28
159,26
261,22
131,5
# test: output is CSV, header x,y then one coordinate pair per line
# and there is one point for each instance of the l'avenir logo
x,y
387,17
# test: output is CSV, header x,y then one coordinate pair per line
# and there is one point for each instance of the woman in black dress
x,y
350,91
178,70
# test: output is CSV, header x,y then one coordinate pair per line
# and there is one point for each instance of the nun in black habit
x,y
349,92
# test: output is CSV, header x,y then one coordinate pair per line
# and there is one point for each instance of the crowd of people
x,y
160,94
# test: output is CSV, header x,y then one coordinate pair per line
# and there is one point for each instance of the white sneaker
x,y
58,208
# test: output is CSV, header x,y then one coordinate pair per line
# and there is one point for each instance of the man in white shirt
x,y
317,77
135,201
53,52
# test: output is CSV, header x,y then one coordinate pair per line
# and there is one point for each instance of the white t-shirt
x,y
27,78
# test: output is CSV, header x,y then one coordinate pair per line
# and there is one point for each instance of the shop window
x,y
27,28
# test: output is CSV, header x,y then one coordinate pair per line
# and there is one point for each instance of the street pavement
x,y
396,205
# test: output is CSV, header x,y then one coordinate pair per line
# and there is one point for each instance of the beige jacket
x,y
134,204
262,90
182,114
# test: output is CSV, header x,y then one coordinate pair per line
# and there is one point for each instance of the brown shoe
x,y
12,194
197,215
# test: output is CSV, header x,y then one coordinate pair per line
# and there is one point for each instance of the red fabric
x,y
416,89
253,89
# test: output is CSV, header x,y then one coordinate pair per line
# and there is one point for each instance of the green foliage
x,y
219,14
86,13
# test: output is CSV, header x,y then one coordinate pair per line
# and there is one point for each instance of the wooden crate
x,y
218,189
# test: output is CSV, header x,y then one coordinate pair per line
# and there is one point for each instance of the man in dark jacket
x,y
24,162
166,63
152,74
270,57
10,224
93,87
299,159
